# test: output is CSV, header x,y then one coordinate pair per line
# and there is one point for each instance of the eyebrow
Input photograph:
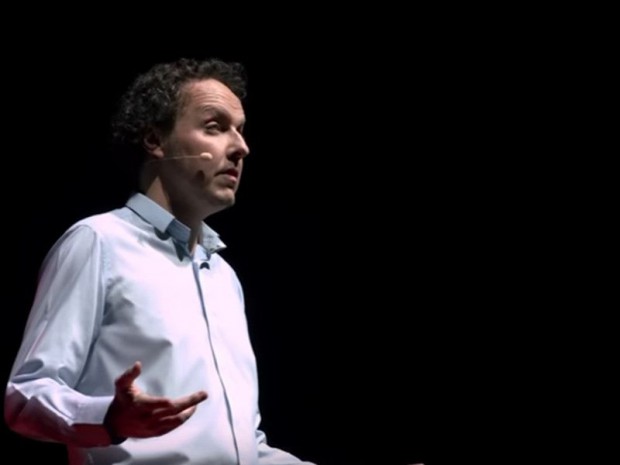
x,y
213,108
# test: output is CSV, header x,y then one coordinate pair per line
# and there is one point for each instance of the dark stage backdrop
x,y
345,375
61,102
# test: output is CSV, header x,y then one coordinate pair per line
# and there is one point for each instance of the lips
x,y
231,172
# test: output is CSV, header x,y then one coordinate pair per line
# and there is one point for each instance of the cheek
x,y
201,171
204,175
209,175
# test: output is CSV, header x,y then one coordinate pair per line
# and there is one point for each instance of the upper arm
x,y
67,308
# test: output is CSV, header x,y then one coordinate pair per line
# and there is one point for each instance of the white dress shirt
x,y
122,287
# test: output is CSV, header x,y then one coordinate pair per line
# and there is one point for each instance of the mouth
x,y
232,173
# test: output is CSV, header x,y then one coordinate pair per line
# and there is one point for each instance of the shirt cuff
x,y
90,428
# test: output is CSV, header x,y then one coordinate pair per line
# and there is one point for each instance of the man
x,y
136,350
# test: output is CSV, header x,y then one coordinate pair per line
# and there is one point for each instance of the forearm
x,y
46,410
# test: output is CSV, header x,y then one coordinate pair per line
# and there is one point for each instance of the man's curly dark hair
x,y
154,98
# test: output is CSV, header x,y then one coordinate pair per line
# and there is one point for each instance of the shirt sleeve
x,y
268,455
41,401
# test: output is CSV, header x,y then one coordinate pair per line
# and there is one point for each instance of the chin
x,y
222,202
227,198
219,197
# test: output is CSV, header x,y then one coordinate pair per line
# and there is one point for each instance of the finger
x,y
125,380
167,424
179,405
186,402
151,405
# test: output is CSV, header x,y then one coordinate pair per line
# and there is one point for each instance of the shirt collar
x,y
165,222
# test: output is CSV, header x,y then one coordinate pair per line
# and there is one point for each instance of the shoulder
x,y
107,228
102,224
89,235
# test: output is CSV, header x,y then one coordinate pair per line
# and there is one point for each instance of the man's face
x,y
210,120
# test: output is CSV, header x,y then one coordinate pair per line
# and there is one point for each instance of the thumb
x,y
125,380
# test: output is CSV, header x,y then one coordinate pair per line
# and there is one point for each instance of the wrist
x,y
109,425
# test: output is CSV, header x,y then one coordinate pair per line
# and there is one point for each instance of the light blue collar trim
x,y
165,222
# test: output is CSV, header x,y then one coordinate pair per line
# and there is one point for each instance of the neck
x,y
190,217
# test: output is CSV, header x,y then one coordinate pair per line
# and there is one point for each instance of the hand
x,y
134,414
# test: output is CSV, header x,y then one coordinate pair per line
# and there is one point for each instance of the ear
x,y
152,142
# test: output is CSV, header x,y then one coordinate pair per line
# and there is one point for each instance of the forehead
x,y
198,95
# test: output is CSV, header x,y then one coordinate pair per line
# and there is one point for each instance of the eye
x,y
213,127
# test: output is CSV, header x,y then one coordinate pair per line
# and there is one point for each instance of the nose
x,y
240,147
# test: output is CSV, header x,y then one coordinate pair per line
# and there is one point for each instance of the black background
x,y
352,372
63,100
